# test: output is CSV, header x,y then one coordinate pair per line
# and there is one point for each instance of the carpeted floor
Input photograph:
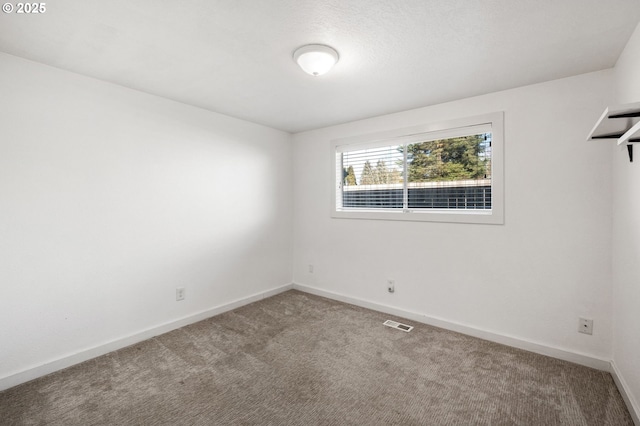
x,y
298,359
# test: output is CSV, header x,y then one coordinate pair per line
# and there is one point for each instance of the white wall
x,y
529,279
626,234
111,198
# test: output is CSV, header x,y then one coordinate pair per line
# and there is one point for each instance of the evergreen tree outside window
x,y
350,177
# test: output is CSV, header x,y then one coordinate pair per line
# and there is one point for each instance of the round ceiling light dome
x,y
315,59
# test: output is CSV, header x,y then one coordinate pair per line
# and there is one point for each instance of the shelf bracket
x,y
626,115
630,151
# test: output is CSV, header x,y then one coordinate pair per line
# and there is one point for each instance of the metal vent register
x,y
399,326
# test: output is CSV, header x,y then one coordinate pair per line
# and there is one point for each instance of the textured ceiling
x,y
234,56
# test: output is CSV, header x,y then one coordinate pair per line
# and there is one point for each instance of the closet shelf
x,y
622,123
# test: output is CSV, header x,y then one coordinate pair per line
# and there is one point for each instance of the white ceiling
x,y
235,56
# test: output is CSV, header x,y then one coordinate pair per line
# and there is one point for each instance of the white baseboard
x,y
632,404
93,352
578,358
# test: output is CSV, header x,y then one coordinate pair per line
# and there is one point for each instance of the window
x,y
444,172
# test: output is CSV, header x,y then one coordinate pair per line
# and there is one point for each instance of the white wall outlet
x,y
180,293
585,326
311,269
391,286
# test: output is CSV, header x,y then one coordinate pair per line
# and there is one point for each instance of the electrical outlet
x,y
311,269
180,293
391,286
585,326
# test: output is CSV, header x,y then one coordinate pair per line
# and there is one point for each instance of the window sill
x,y
491,217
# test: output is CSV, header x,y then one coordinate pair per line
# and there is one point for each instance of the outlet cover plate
x,y
180,293
585,326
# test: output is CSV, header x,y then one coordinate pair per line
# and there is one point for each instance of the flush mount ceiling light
x,y
315,59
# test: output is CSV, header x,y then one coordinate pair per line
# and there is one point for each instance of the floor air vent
x,y
399,326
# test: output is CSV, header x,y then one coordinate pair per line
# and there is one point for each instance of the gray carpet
x,y
298,359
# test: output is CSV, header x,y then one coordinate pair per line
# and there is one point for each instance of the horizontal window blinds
x,y
449,169
373,177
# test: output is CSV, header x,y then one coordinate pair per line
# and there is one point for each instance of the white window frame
x,y
444,129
